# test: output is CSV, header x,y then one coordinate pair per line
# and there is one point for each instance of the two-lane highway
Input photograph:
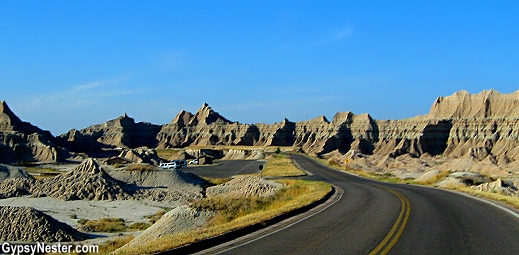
x,y
381,218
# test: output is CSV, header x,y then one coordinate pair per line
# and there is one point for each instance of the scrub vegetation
x,y
282,166
236,213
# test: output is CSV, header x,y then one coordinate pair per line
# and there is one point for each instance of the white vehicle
x,y
193,162
181,163
168,165
175,164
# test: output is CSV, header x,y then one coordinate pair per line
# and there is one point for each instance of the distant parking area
x,y
226,168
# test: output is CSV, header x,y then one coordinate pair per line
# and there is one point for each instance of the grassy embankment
x,y
496,196
281,165
236,213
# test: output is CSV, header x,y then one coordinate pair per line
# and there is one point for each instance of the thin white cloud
x,y
342,33
87,86
85,94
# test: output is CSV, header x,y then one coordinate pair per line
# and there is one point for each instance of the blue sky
x,y
72,64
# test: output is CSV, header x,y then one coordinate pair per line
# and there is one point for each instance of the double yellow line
x,y
395,233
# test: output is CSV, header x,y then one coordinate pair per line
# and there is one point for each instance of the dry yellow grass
x,y
104,225
297,194
281,165
216,181
115,244
502,198
362,173
168,154
41,173
140,167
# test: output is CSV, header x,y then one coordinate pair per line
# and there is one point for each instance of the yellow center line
x,y
392,237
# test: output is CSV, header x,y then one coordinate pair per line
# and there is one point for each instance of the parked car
x,y
175,164
181,163
168,165
193,162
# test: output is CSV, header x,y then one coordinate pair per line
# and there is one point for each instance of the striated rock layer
x,y
22,142
473,128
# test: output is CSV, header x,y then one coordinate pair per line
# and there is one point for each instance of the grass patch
x,y
109,225
115,244
493,195
383,177
155,217
169,153
216,181
41,173
238,213
281,165
139,226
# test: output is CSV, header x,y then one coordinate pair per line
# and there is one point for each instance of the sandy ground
x,y
130,210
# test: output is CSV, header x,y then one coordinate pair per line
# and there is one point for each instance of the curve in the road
x,y
441,222
392,237
376,218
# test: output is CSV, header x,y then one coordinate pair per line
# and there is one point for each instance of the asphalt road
x,y
226,168
380,218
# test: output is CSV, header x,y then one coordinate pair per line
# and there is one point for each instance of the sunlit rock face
x,y
22,142
482,127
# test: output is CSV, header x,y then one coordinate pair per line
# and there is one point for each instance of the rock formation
x,y
182,218
22,142
141,155
86,182
25,224
478,130
119,132
7,172
162,185
14,182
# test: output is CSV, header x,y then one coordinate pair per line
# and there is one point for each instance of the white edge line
x,y
285,227
512,212
490,202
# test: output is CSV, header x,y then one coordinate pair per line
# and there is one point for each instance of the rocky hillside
x,y
25,224
119,132
22,142
480,126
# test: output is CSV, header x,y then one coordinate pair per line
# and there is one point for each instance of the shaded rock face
x,y
119,132
25,224
141,155
22,142
482,125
